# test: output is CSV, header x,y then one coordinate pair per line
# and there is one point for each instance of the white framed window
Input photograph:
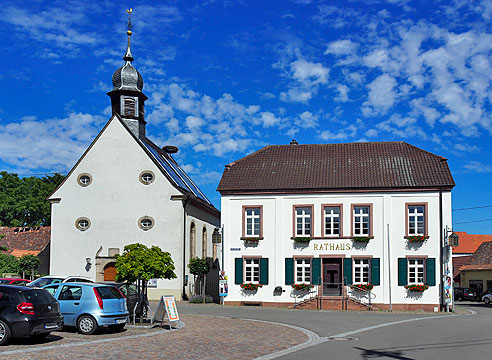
x,y
302,270
146,223
84,179
82,223
303,218
252,270
361,271
332,220
146,177
416,219
252,221
416,271
361,220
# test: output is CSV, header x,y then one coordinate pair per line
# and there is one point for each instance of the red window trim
x,y
352,206
244,220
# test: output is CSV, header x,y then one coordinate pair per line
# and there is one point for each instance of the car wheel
x,y
86,325
118,327
5,333
486,300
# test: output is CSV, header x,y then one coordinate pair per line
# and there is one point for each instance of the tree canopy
x,y
138,262
29,263
9,264
23,200
198,266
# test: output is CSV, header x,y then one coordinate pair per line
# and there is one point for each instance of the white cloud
x,y
307,120
53,144
381,96
349,131
341,47
478,167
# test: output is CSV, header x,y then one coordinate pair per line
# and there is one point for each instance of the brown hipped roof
x,y
351,166
25,241
469,243
482,259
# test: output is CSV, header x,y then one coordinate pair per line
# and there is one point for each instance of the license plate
x,y
50,326
120,321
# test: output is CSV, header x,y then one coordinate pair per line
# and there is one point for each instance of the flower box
x,y
417,287
363,287
417,239
302,239
361,239
302,287
251,240
250,286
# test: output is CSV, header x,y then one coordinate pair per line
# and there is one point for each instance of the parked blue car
x,y
89,306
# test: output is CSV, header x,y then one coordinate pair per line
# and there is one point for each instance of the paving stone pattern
x,y
202,337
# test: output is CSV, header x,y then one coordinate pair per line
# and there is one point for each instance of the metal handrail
x,y
365,292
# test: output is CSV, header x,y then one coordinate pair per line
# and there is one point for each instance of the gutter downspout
x,y
185,201
441,254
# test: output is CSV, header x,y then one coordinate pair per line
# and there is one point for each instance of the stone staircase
x,y
332,303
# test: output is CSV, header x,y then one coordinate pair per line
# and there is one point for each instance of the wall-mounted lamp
x,y
216,237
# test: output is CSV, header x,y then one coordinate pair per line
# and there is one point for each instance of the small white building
x,y
336,217
125,189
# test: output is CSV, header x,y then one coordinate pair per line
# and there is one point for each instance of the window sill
x,y
331,238
251,237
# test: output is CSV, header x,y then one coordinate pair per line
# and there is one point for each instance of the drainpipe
x,y
441,254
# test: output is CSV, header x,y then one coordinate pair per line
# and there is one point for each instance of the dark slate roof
x,y
22,240
370,165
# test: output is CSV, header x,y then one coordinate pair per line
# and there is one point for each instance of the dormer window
x,y
129,106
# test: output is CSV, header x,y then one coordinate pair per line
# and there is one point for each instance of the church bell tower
x,y
127,98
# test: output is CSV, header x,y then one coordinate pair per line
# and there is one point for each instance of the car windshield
x,y
38,296
45,281
109,292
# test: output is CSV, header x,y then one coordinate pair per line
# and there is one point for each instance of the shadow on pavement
x,y
33,341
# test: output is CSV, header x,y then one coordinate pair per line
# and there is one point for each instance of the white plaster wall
x,y
388,208
114,202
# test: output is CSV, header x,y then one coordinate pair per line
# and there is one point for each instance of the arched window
x,y
192,240
204,243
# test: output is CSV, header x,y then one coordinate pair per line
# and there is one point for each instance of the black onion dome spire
x,y
127,77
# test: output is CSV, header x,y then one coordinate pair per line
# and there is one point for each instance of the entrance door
x,y
332,275
109,272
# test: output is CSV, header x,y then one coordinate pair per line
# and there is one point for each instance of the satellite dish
x,y
170,149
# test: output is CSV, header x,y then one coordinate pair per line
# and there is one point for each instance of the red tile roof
x,y
476,267
22,241
469,243
351,166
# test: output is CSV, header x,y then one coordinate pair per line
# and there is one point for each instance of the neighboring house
x,y
22,241
462,254
478,273
299,214
125,189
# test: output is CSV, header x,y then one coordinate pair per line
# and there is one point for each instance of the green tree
x,y
29,263
23,200
199,267
9,264
138,262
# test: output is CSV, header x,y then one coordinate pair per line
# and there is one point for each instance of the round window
x,y
84,179
146,177
82,224
146,223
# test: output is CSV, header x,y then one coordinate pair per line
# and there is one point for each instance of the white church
x,y
125,189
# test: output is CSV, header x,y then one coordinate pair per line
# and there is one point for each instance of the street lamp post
x,y
450,239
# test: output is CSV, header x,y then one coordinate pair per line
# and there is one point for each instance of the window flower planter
x,y
251,286
417,239
363,287
302,239
417,287
302,287
361,239
251,240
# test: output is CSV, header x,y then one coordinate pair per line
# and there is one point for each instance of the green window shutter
x,y
347,271
430,272
402,272
375,272
289,271
264,271
316,271
238,271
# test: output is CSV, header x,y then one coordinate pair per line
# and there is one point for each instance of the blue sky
x,y
225,78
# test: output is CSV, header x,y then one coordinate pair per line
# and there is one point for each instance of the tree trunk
x,y
204,284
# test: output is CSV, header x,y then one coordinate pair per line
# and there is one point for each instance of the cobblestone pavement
x,y
202,337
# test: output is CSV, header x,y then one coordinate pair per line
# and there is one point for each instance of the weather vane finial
x,y
128,56
129,32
